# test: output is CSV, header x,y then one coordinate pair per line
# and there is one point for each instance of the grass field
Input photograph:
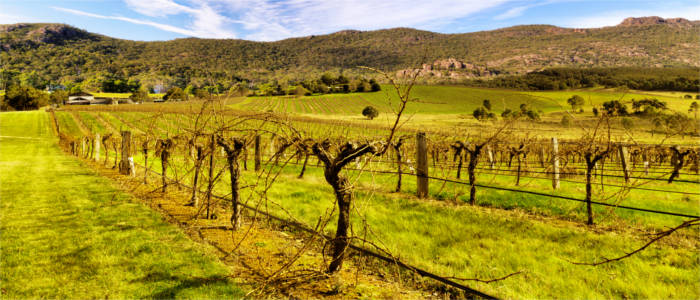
x,y
508,233
68,233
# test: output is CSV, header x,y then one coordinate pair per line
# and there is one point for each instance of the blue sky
x,y
269,20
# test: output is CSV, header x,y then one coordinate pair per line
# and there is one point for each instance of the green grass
x,y
68,233
92,123
481,242
68,125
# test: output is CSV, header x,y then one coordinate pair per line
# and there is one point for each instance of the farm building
x,y
80,98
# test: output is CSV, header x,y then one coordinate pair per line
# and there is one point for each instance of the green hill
x,y
63,53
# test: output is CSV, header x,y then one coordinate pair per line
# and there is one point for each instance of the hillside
x,y
63,53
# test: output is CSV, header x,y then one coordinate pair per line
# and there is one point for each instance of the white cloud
x,y
157,8
615,17
130,20
272,20
267,20
511,13
206,24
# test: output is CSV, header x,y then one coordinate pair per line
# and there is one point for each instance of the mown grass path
x,y
68,233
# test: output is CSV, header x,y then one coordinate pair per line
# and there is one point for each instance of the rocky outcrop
x,y
56,34
450,68
34,34
644,21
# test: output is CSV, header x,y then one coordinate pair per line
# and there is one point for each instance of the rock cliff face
x,y
34,35
450,68
57,34
643,21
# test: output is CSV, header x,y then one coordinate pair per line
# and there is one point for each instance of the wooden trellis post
x,y
127,161
82,147
490,156
624,160
555,163
645,157
542,156
144,147
422,165
97,146
257,153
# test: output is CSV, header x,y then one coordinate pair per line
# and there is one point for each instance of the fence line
x,y
363,250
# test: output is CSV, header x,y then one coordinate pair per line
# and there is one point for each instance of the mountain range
x,y
59,53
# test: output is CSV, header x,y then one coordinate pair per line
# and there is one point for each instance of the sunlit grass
x,y
68,233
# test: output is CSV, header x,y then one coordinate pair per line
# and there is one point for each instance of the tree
x,y
370,112
615,107
327,79
532,115
58,97
575,101
140,95
375,86
76,89
508,114
201,93
694,109
482,114
239,89
175,94
648,106
487,104
25,98
524,107
342,79
189,90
